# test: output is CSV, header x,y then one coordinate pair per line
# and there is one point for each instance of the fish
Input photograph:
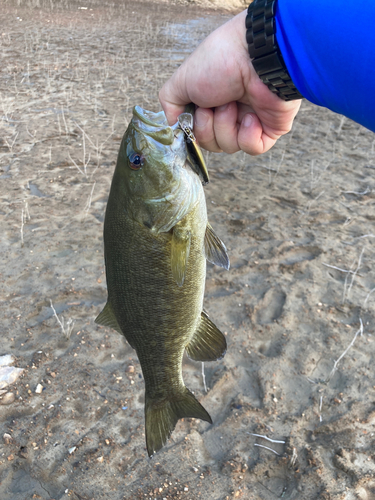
x,y
156,242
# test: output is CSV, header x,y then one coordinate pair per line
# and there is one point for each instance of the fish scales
x,y
156,242
161,327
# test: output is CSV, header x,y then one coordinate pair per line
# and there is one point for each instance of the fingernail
x,y
247,121
201,120
222,108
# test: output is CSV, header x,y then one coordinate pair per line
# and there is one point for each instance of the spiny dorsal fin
x,y
107,318
208,343
162,415
215,250
180,253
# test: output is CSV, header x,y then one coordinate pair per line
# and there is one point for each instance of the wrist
x,y
264,51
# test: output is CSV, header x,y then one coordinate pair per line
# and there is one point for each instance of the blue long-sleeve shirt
x,y
329,50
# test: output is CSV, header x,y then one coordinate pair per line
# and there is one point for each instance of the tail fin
x,y
162,416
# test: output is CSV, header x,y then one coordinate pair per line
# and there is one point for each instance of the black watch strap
x,y
264,51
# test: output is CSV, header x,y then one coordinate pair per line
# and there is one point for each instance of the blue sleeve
x,y
329,50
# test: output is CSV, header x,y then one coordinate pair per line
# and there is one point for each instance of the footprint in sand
x,y
270,307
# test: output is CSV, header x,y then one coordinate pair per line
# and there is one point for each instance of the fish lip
x,y
143,115
152,124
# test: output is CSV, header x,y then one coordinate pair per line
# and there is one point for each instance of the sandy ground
x,y
299,225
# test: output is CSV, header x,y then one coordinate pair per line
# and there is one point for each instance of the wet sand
x,y
297,305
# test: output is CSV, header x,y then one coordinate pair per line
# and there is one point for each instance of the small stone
x,y
7,360
39,389
8,375
130,369
11,457
7,438
53,374
100,459
7,399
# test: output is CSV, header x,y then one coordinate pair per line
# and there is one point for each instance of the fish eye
x,y
136,161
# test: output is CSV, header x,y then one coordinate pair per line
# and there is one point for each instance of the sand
x,y
297,304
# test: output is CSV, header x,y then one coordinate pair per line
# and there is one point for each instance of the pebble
x,y
7,399
130,369
39,389
8,374
7,438
7,360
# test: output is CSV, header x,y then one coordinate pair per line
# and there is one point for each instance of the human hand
x,y
236,110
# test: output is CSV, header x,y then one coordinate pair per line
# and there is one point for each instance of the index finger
x,y
173,97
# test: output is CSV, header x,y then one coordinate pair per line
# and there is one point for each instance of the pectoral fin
x,y
107,318
215,250
208,343
180,253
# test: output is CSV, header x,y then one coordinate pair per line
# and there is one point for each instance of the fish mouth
x,y
153,124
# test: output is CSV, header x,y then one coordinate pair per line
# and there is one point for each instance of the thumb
x,y
173,96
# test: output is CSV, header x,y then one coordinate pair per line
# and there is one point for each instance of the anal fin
x,y
107,318
215,250
208,343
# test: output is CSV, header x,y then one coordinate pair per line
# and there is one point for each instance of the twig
x,y
65,125
368,296
267,448
320,408
265,437
364,236
342,121
10,147
67,331
76,165
367,190
89,200
338,268
309,205
354,275
204,378
360,331
22,224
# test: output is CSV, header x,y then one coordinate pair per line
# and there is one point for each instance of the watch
x,y
264,50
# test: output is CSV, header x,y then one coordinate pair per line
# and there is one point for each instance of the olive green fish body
x,y
156,240
157,316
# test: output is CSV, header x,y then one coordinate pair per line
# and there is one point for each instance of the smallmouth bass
x,y
156,242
